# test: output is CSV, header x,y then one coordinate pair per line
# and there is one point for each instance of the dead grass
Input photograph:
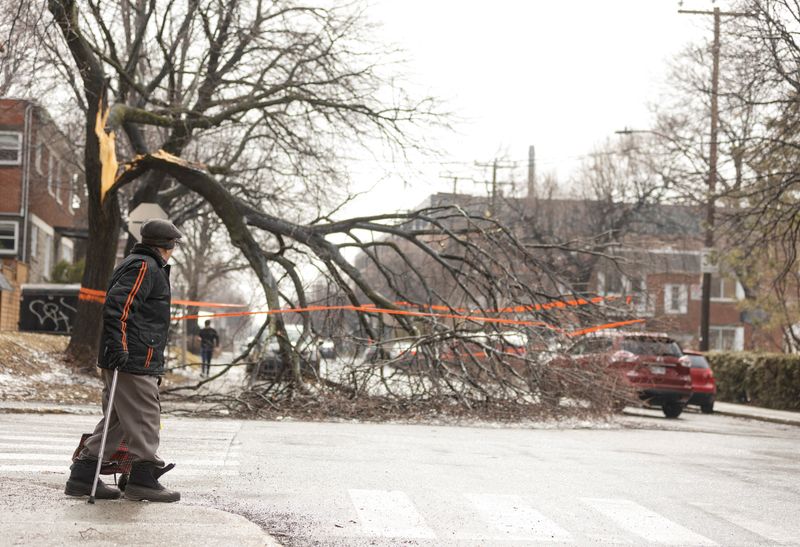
x,y
32,368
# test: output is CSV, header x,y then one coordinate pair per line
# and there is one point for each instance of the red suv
x,y
652,363
704,386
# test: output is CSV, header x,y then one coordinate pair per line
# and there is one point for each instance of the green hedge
x,y
771,380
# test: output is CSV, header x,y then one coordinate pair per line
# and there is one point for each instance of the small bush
x,y
771,380
64,272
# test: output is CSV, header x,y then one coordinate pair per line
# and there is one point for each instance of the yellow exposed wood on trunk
x,y
107,152
166,156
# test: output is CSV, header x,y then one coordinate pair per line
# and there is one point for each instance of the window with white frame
x,y
10,148
67,251
59,180
8,237
644,303
42,237
52,161
723,288
73,201
611,283
726,338
34,240
37,162
47,256
676,298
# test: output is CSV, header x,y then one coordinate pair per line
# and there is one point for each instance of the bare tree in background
x,y
757,212
614,190
247,108
273,86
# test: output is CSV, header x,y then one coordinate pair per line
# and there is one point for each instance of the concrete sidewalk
x,y
32,514
757,413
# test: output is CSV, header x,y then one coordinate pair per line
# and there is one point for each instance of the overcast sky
x,y
561,75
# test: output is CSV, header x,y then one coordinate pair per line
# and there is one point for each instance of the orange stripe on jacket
x,y
123,320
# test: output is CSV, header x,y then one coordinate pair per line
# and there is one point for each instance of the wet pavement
x,y
640,480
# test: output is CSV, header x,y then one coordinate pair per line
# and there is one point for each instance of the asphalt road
x,y
645,480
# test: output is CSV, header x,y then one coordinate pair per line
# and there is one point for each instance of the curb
x,y
770,419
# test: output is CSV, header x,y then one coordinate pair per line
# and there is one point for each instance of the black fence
x,y
48,308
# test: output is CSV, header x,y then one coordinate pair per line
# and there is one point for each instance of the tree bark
x,y
103,211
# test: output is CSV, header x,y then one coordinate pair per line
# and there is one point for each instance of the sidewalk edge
x,y
756,417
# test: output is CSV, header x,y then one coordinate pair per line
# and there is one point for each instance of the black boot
x,y
80,481
143,483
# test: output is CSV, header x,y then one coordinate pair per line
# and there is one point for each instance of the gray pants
x,y
136,417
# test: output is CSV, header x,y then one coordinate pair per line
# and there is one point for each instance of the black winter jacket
x,y
136,312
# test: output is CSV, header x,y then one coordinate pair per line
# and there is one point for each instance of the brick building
x,y
42,209
656,262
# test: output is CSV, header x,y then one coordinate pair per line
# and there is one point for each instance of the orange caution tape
x,y
207,304
604,327
370,308
100,297
558,304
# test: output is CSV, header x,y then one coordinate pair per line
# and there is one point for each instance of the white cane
x,y
109,409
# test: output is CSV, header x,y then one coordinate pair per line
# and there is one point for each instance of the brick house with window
x,y
656,262
42,210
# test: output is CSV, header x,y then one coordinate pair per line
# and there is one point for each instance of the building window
x,y
34,241
644,304
59,180
723,288
10,148
611,283
37,163
676,299
52,161
67,253
8,238
73,201
47,258
726,338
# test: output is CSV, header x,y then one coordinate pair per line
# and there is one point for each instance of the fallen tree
x,y
279,77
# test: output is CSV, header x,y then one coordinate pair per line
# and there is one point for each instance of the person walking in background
x,y
135,325
209,339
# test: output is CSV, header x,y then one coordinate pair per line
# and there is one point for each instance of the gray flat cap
x,y
160,233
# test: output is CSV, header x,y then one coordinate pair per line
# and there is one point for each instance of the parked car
x,y
469,350
272,364
704,386
652,363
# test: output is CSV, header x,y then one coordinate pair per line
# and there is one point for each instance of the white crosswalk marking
x,y
743,520
516,519
645,523
41,438
49,450
177,472
389,514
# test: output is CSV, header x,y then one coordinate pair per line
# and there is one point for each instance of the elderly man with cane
x,y
136,316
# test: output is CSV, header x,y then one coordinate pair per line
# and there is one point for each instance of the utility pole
x,y
531,172
455,179
495,165
708,242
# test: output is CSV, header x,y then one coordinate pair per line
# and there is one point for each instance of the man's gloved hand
x,y
117,359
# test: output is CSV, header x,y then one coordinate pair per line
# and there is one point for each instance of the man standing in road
x,y
136,316
209,339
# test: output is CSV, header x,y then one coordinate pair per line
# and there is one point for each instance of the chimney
x,y
531,172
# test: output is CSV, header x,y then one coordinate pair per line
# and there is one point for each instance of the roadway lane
x,y
642,480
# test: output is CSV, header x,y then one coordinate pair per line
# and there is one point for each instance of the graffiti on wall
x,y
48,313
